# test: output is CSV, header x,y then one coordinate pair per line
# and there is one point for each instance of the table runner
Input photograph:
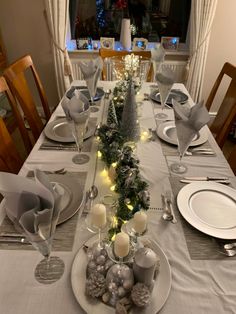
x,y
65,232
200,245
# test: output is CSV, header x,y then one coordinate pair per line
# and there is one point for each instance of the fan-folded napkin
x,y
74,106
188,122
92,71
32,205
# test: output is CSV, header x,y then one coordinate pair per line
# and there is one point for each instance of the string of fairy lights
x,y
121,163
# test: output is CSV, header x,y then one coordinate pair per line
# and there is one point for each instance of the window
x,y
150,19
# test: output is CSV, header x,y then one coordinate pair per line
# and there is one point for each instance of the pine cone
x,y
95,285
140,294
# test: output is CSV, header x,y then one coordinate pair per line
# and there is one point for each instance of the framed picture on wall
x,y
140,44
107,43
170,43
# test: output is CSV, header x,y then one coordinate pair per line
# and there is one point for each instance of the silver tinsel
x,y
130,124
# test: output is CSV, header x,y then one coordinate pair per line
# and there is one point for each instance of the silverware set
x,y
218,179
168,207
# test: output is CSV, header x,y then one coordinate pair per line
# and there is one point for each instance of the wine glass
x,y
164,79
79,125
179,167
51,268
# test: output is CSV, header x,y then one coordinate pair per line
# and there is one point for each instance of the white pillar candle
x,y
121,244
140,221
98,215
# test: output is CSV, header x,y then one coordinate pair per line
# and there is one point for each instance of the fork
x,y
229,253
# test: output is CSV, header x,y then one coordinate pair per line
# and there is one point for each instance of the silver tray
x,y
167,132
58,130
209,207
72,198
84,90
160,291
174,94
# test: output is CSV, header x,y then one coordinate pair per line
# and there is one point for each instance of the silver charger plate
x,y
58,130
176,94
167,132
160,291
72,198
84,90
209,207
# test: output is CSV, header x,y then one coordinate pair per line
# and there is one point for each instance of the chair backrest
x,y
4,88
226,114
16,79
105,54
232,159
10,160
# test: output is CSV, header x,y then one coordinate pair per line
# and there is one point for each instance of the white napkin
x,y
92,71
157,56
188,122
32,205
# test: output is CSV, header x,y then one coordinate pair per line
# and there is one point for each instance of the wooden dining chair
x,y
232,159
226,114
105,54
10,160
15,75
4,88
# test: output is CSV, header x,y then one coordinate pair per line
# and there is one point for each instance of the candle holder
x,y
129,228
120,260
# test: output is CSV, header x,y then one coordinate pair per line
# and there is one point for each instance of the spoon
x,y
90,196
229,246
107,93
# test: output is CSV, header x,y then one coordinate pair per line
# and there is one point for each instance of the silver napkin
x,y
157,56
188,123
92,71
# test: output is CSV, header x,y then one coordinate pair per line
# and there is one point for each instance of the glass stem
x,y
99,237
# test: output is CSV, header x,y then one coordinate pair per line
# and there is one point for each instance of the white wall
x,y
24,31
222,47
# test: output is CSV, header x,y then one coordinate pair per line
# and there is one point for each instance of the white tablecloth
x,y
198,286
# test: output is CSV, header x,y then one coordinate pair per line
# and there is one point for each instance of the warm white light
x,y
99,154
112,188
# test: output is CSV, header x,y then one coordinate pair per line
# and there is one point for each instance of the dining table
x,y
201,278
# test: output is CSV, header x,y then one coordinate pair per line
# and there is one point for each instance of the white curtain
x,y
201,19
57,18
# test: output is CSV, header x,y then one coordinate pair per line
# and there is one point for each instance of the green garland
x,y
132,190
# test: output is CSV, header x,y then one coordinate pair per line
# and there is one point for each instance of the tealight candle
x,y
98,215
140,221
121,245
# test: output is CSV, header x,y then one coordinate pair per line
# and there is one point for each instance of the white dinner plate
x,y
210,207
159,294
167,132
58,130
72,198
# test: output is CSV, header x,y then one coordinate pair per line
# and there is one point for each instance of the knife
x,y
21,240
217,181
210,178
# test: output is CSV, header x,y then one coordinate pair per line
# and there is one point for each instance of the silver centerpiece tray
x,y
159,294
